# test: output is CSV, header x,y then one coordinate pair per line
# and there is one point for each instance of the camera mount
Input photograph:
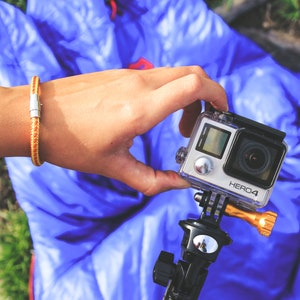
x,y
202,241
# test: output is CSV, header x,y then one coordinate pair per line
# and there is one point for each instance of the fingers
x,y
189,117
209,90
154,78
158,77
170,98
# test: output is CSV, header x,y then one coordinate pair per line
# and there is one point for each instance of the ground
x,y
276,28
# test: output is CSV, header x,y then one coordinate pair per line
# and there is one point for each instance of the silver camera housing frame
x,y
206,172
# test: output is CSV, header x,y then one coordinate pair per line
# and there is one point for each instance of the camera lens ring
x,y
254,158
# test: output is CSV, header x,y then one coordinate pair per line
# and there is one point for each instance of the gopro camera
x,y
233,156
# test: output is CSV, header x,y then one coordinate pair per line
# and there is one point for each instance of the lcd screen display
x,y
213,140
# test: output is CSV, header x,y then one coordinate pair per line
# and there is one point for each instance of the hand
x,y
89,121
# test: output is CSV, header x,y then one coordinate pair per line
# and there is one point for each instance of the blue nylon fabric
x,y
95,238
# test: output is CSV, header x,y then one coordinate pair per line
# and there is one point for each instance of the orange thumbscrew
x,y
264,222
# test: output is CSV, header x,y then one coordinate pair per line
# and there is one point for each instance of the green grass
x,y
290,10
216,3
15,254
15,243
19,3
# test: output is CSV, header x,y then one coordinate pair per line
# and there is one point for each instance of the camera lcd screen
x,y
213,140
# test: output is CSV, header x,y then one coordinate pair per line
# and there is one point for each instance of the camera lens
x,y
254,158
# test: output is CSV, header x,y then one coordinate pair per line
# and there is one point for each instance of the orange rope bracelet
x,y
35,115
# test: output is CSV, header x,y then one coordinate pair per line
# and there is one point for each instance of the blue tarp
x,y
95,238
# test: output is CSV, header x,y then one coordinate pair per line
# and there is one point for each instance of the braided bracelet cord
x,y
35,115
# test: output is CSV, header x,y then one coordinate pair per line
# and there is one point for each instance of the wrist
x,y
14,122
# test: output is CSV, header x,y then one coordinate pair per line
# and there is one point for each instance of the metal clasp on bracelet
x,y
35,106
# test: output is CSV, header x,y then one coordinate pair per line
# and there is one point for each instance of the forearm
x,y
14,121
89,122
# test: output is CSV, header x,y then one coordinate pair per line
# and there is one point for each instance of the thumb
x,y
147,180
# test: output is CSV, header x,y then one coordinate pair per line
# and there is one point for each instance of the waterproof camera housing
x,y
233,156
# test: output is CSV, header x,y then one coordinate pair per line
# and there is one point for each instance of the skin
x,y
89,121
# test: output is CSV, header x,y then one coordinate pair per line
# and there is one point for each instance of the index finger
x,y
182,93
158,77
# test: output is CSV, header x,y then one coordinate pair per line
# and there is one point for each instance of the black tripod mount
x,y
202,241
201,244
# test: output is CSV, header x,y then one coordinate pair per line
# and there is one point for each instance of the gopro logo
x,y
244,188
